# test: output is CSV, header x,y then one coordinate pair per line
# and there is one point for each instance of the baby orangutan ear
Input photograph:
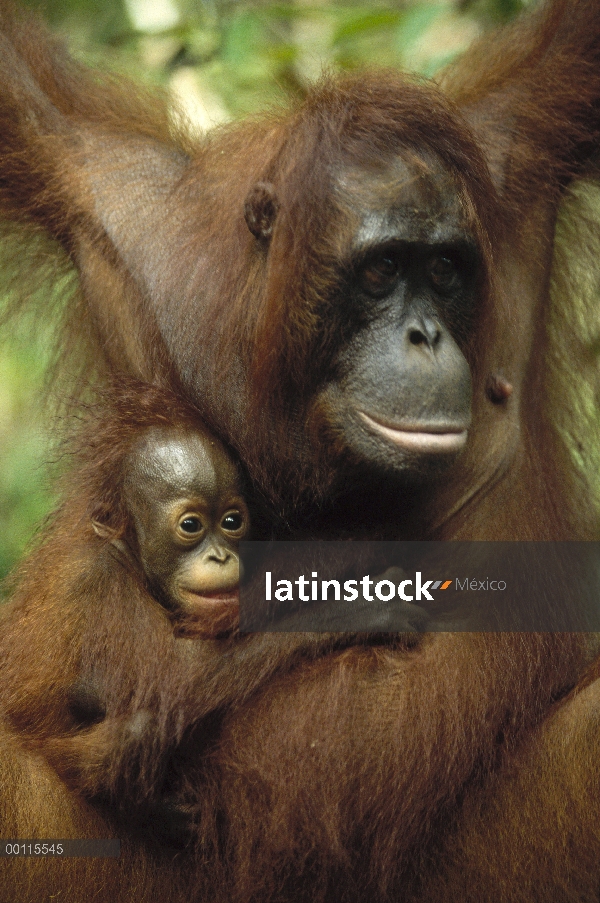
x,y
260,210
110,534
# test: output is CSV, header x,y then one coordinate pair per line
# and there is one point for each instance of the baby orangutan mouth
x,y
207,614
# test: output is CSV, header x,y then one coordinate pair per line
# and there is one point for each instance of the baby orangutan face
x,y
182,492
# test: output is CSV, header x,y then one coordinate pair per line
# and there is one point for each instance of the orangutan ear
x,y
260,210
112,536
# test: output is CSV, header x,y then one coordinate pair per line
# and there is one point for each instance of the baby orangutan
x,y
108,664
183,497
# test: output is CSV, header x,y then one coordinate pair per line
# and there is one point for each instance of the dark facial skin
x,y
400,396
183,494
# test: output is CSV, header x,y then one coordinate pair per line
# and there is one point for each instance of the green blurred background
x,y
220,59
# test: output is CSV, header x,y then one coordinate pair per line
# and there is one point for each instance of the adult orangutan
x,y
355,295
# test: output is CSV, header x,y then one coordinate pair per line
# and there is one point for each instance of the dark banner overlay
x,y
61,849
390,587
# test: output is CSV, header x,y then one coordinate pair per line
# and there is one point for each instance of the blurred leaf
x,y
359,22
495,11
101,21
25,495
415,22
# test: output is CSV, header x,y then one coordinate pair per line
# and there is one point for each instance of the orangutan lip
x,y
442,438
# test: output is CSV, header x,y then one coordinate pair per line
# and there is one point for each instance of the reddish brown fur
x,y
111,637
366,773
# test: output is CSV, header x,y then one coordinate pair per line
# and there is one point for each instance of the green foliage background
x,y
220,59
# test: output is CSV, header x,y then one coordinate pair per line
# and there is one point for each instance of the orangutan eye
x,y
190,524
232,522
380,274
443,272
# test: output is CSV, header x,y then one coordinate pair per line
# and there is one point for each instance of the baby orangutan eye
x,y
190,525
232,522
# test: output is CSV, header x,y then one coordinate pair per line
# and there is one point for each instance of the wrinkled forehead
x,y
406,190
167,464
